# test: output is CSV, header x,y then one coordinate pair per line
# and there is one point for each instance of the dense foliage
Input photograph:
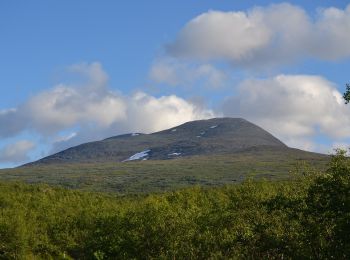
x,y
346,95
308,217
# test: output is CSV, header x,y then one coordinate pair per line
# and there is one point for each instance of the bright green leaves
x,y
304,218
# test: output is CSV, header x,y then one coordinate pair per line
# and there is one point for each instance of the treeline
x,y
308,217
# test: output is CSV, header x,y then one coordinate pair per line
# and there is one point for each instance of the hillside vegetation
x,y
167,175
307,217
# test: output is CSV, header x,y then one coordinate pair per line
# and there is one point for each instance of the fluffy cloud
x,y
149,114
173,72
332,38
93,111
17,152
143,113
293,107
66,106
275,34
221,34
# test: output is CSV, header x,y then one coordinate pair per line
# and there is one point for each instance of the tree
x,y
347,94
328,210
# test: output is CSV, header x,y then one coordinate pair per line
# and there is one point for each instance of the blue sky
x,y
144,66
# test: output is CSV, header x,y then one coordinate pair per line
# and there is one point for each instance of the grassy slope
x,y
161,175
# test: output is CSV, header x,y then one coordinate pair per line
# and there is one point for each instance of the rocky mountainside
x,y
215,136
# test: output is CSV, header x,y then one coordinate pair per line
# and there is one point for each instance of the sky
x,y
79,71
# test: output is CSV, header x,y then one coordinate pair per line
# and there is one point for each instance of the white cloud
x,y
69,105
218,34
174,73
151,114
143,113
96,77
332,40
215,78
339,145
17,152
94,111
293,107
165,71
10,122
66,106
263,36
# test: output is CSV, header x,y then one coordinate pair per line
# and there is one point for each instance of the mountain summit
x,y
203,137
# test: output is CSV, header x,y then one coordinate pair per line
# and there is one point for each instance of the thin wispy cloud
x,y
177,73
17,152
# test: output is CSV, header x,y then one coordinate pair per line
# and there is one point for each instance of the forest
x,y
307,216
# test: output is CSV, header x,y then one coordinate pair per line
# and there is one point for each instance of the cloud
x,y
96,77
90,110
272,35
218,34
332,38
165,71
340,145
175,73
151,114
10,122
143,113
293,107
17,152
66,106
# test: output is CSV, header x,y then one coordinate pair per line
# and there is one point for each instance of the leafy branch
x,y
346,95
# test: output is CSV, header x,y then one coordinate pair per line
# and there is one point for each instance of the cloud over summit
x,y
92,111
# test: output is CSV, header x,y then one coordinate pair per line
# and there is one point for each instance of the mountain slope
x,y
217,136
210,152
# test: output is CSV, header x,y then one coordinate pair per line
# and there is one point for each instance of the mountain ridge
x,y
201,137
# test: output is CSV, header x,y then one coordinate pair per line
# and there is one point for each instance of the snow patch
x,y
174,154
202,133
135,134
174,130
138,156
213,126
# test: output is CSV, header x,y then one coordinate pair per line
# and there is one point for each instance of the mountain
x,y
216,136
208,153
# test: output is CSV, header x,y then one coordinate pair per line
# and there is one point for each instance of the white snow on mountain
x,y
138,156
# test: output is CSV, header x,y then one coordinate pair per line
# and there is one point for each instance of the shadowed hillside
x,y
215,136
210,152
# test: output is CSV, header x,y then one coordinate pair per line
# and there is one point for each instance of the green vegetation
x,y
346,95
166,175
304,217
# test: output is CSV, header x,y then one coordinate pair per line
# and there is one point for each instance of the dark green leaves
x,y
304,218
346,95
